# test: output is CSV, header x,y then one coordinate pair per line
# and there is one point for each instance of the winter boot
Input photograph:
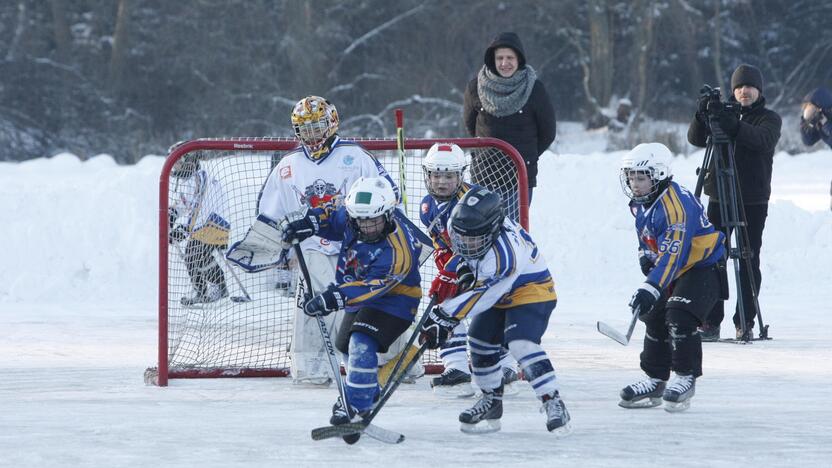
x,y
453,382
747,336
557,417
678,393
487,410
649,389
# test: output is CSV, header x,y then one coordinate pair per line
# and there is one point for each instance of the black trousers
x,y
756,221
202,266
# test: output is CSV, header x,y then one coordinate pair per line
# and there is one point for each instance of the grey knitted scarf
x,y
504,96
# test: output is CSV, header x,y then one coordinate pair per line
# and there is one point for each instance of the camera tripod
x,y
720,151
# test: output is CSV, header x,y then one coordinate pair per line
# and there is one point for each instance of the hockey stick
x,y
393,375
400,148
610,332
245,297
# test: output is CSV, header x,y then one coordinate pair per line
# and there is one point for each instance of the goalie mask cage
x,y
238,337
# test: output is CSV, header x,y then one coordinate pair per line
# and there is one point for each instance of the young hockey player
x,y
511,300
680,252
198,214
443,169
318,172
377,283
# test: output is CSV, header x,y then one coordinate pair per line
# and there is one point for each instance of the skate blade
x,y
455,391
314,382
562,431
674,407
483,427
511,389
643,403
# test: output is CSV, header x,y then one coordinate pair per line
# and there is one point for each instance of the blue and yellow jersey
x,y
201,206
431,209
382,275
512,273
676,235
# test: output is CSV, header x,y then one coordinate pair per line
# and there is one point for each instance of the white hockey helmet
x,y
370,204
651,159
315,120
445,158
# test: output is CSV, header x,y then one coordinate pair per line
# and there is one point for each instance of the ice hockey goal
x,y
248,333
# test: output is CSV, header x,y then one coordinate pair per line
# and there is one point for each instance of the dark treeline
x,y
131,77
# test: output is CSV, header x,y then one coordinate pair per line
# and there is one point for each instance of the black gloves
x,y
729,122
299,225
437,328
647,265
324,303
643,300
465,278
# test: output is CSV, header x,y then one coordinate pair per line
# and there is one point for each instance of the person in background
x,y
816,120
507,101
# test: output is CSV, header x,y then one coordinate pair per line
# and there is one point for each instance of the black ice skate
x,y
453,382
510,382
709,333
557,417
341,416
484,416
678,393
206,297
646,393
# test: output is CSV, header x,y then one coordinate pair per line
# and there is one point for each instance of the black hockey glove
x,y
299,225
437,328
324,303
177,234
647,265
729,122
465,278
643,300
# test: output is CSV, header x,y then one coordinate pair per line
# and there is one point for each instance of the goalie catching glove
x,y
324,303
261,248
437,328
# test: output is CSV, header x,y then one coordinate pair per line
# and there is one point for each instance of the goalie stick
x,y
610,332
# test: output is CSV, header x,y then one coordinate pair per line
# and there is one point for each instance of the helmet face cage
x,y
185,167
314,120
445,161
628,189
472,247
647,159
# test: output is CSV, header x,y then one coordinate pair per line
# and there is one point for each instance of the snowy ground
x,y
77,315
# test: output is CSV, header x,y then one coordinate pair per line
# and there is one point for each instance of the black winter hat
x,y
506,39
747,75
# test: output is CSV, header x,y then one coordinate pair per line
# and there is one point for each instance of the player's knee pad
x,y
681,322
532,359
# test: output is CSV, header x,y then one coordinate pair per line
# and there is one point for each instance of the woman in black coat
x,y
507,101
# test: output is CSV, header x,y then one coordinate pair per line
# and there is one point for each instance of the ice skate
x,y
678,393
646,393
511,382
416,371
557,417
484,416
341,416
709,333
453,383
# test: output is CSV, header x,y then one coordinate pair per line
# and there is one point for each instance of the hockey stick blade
x,y
371,430
240,299
610,332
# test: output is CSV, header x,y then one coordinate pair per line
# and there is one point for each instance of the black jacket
x,y
758,133
530,130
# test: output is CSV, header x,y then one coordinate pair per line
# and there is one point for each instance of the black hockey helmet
x,y
475,223
187,165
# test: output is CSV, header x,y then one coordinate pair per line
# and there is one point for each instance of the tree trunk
x,y
600,51
119,47
60,30
643,52
717,37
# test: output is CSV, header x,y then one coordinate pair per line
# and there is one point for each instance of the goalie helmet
x,y
476,222
370,204
315,121
645,172
187,165
443,167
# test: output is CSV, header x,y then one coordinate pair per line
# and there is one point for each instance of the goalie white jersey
x,y
201,206
297,181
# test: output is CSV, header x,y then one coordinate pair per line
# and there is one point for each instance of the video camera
x,y
715,103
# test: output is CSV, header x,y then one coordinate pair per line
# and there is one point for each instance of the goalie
x,y
198,215
315,175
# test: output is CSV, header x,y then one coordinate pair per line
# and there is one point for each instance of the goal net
x,y
247,331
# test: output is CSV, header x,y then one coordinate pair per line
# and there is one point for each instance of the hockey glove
x,y
443,286
643,300
647,265
437,328
178,234
299,225
729,122
465,278
324,303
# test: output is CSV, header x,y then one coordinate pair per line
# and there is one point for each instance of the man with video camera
x,y
816,119
754,132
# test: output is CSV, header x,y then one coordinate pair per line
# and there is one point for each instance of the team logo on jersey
x,y
425,208
318,194
353,270
348,160
285,172
649,240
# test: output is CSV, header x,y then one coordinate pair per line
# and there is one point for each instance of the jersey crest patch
x,y
319,193
285,172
